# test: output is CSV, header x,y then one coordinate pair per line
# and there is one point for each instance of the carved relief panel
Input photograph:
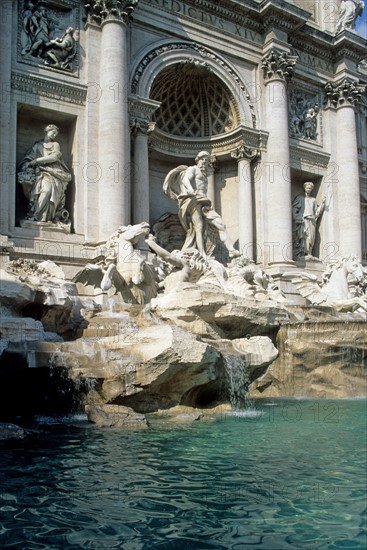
x,y
48,34
305,116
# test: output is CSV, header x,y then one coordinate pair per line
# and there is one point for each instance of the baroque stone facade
x,y
275,91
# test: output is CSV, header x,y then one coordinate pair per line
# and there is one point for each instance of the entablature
x,y
221,145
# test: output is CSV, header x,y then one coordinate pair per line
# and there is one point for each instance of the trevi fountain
x,y
183,274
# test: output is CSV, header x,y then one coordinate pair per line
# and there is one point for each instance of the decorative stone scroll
x,y
100,10
345,93
47,34
277,64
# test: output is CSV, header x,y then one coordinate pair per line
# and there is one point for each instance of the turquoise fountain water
x,y
282,475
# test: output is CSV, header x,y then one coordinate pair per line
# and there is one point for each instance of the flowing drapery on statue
x,y
188,185
44,177
305,213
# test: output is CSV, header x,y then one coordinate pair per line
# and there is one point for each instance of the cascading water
x,y
237,380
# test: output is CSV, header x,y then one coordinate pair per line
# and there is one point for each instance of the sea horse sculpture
x,y
123,266
334,290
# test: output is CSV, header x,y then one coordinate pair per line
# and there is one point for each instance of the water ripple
x,y
258,481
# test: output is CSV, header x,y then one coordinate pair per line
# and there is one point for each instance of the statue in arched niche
x,y
44,177
306,213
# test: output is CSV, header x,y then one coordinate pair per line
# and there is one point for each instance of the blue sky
x,y
361,24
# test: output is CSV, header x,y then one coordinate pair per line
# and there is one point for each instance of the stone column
x,y
140,114
345,96
244,156
277,246
114,135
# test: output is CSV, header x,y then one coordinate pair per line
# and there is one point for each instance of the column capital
x,y
140,111
346,93
139,126
245,153
99,11
278,65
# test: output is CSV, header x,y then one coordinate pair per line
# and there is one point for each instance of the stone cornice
x,y
347,93
220,146
304,42
321,44
99,11
140,112
142,108
310,159
350,45
278,64
44,87
282,15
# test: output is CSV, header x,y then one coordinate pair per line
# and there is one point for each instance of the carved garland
x,y
153,54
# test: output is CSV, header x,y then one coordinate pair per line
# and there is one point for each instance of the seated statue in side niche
x,y
348,12
188,186
305,213
62,50
44,177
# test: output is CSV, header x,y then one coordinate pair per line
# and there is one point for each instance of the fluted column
x,y
244,156
113,135
345,96
278,68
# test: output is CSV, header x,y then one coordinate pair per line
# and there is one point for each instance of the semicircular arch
x,y
165,53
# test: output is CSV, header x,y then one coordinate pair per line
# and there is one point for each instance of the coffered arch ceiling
x,y
195,103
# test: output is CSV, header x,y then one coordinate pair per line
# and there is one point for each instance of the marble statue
x,y
305,213
183,266
310,122
348,12
335,288
123,267
188,186
62,50
44,177
248,280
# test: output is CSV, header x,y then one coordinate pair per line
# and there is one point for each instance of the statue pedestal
x,y
48,226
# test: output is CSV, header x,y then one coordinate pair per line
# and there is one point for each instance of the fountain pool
x,y
278,475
